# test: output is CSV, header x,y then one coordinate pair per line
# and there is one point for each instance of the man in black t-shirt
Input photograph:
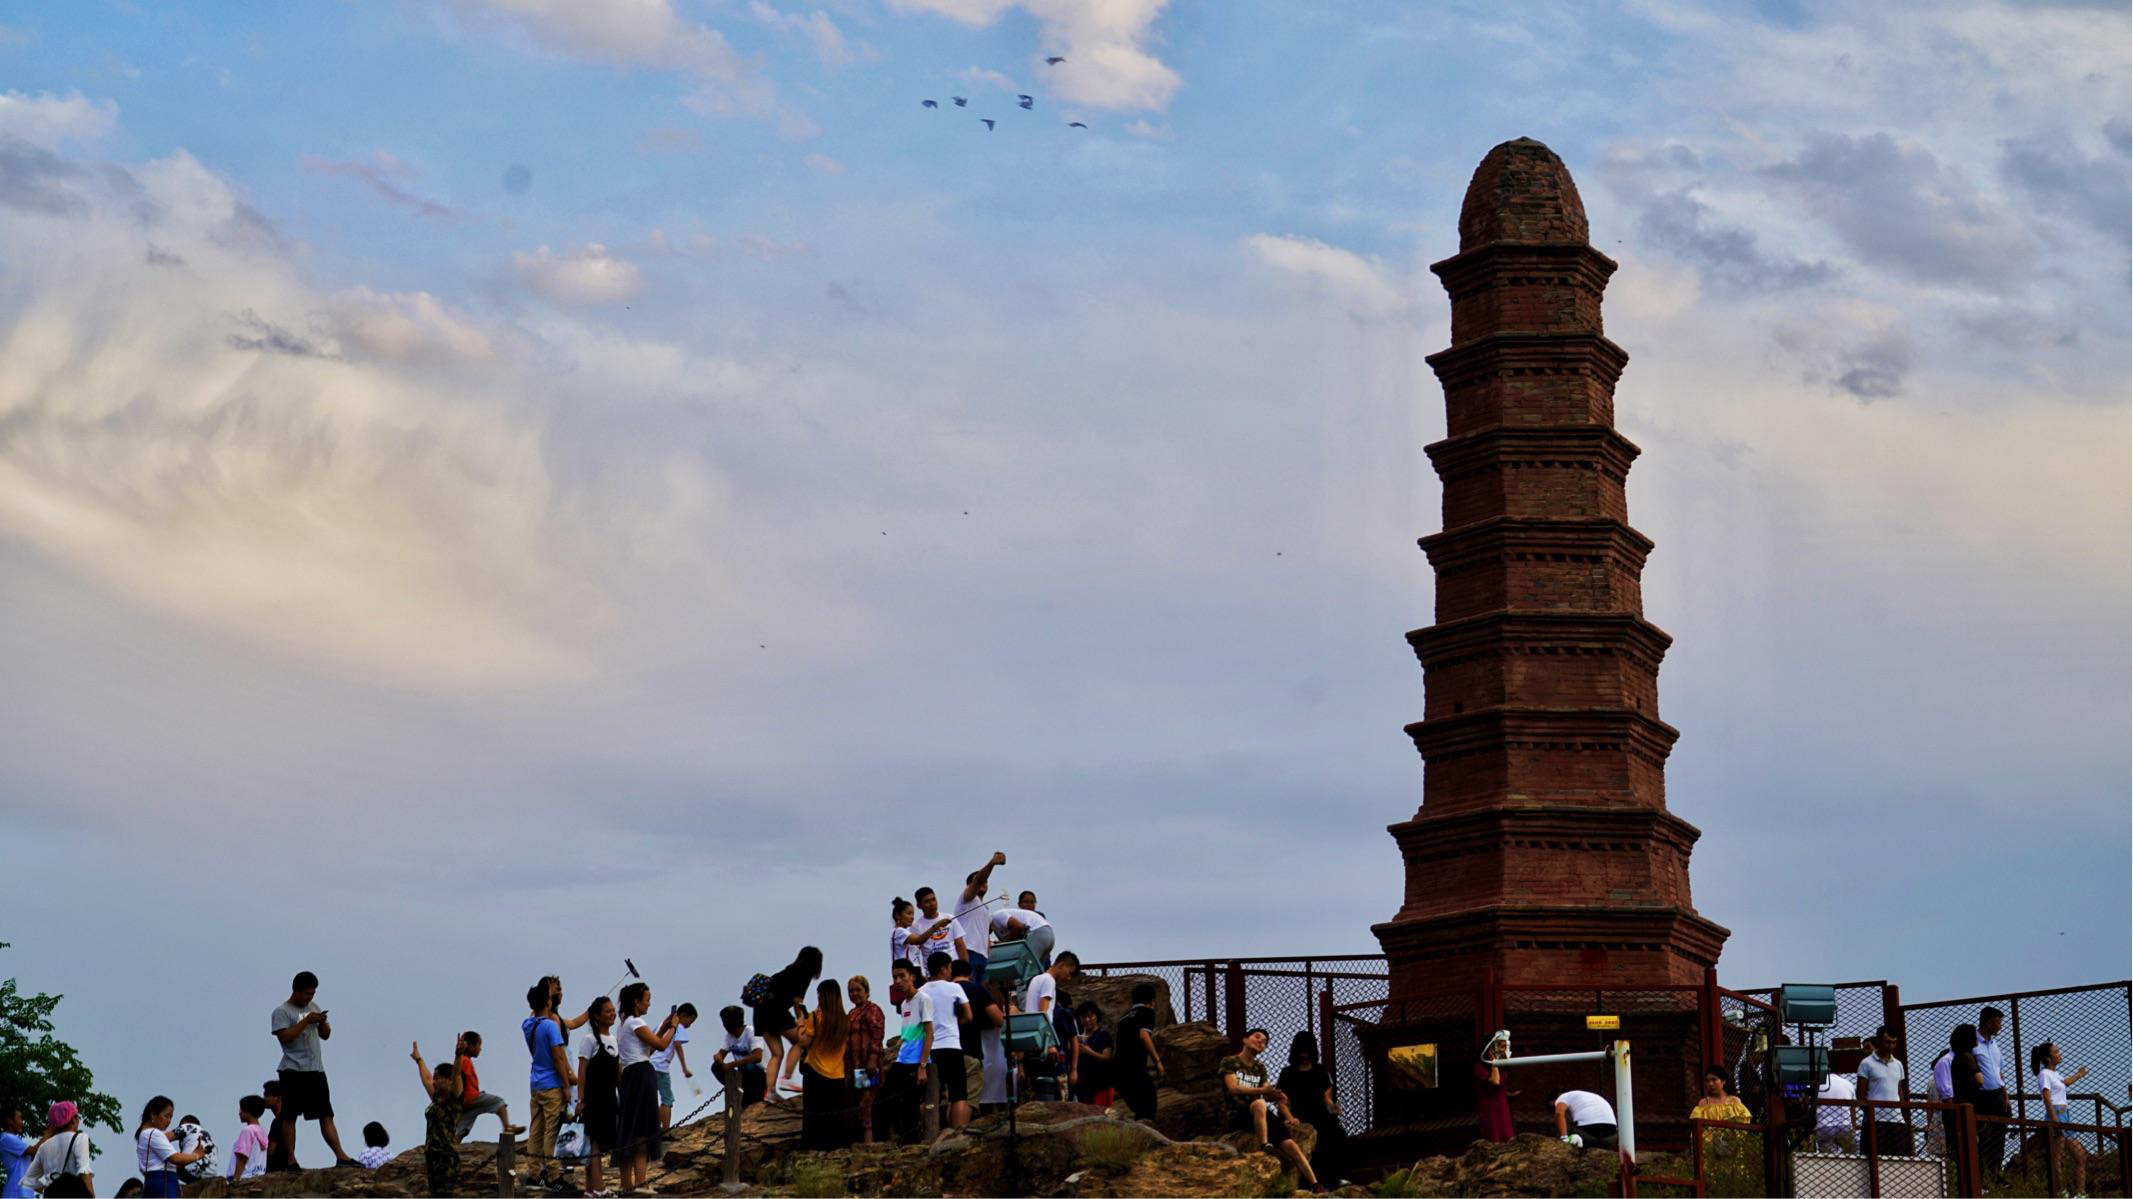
x,y
1136,1053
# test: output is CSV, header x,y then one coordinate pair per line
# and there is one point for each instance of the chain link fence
x,y
2091,1027
1344,1000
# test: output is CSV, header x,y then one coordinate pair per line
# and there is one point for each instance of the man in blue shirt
x,y
549,1080
1992,1100
14,1153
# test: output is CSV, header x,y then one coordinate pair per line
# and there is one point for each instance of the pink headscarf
x,y
61,1115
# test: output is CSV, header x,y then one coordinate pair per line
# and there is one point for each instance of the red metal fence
x,y
1344,999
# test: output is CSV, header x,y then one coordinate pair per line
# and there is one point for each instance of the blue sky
x,y
789,494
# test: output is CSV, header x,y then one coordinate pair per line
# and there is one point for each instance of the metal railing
x,y
1345,999
1284,995
2092,1026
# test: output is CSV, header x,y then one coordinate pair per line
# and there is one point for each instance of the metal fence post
x,y
1873,1156
1775,1157
1712,1042
1970,1179
732,1165
2014,1105
1233,1004
2052,1138
506,1165
1207,976
1892,1015
1325,1029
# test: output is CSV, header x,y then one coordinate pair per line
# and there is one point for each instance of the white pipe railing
x,y
1625,1103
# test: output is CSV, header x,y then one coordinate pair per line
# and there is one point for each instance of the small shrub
x,y
1400,1184
1112,1148
814,1178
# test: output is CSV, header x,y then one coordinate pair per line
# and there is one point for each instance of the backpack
x,y
193,1138
757,991
66,1183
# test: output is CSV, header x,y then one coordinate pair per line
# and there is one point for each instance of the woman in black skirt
x,y
778,1020
598,1072
1310,1092
825,1101
637,1140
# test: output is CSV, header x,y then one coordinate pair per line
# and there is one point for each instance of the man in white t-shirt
x,y
1042,993
948,938
1881,1078
950,1008
970,918
1025,923
1833,1123
1589,1116
1047,1073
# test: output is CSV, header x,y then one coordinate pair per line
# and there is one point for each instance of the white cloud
x,y
825,164
819,31
48,119
1105,44
984,77
1362,286
590,274
639,33
1149,132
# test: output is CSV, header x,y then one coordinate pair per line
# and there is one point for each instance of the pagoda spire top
x,y
1521,192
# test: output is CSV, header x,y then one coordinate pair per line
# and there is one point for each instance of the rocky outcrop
x,y
1527,1165
1188,1150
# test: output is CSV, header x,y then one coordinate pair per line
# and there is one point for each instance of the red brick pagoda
x,y
1543,852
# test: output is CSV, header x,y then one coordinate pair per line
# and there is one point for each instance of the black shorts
x,y
955,1077
305,1095
1240,1120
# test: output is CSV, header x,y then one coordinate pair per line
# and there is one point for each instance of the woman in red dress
x,y
1493,1098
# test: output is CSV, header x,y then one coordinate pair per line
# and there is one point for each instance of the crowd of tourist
x,y
857,1073
600,1078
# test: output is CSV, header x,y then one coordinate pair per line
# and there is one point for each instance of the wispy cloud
x,y
818,30
1362,287
383,174
589,274
1106,46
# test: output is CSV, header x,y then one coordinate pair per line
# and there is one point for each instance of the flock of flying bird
x,y
1021,101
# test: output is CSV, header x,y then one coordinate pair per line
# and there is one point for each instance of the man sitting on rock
x,y
1258,1107
1587,1116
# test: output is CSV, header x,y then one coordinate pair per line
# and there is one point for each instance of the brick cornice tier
x,y
1557,825
1670,929
1495,730
1510,352
1514,446
1522,263
1525,631
1488,541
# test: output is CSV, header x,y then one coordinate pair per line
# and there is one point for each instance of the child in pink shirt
x,y
249,1158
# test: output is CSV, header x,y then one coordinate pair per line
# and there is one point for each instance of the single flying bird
x,y
961,101
1054,60
988,123
1025,101
1076,125
929,103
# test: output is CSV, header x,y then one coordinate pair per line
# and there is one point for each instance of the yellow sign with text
x,y
1603,1022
